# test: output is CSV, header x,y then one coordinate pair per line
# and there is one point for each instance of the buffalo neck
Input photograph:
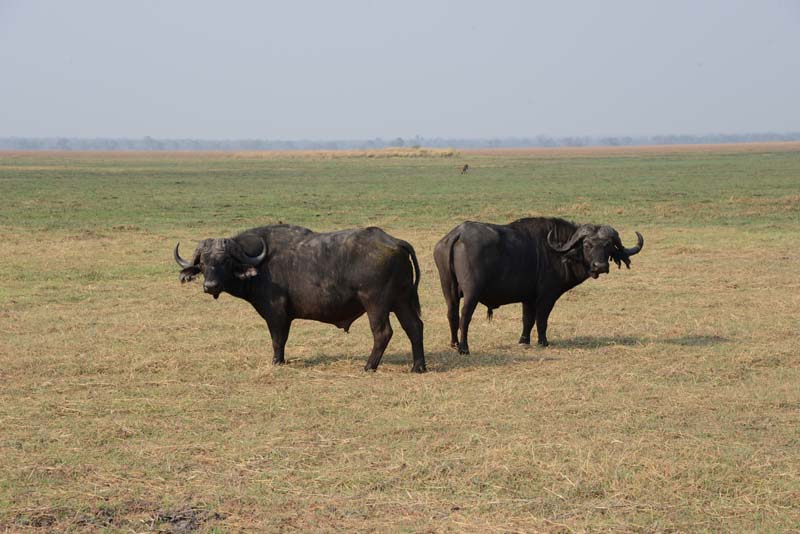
x,y
571,273
247,289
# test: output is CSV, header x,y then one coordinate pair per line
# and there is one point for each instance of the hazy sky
x,y
363,69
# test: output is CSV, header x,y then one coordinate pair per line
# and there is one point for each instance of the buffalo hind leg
x,y
543,309
381,334
279,332
470,302
412,325
452,298
528,318
452,318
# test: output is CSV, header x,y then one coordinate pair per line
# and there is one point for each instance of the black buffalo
x,y
287,272
533,261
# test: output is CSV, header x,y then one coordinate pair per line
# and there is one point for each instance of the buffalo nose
x,y
210,287
600,266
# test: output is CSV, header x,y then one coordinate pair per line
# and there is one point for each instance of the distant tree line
x,y
150,143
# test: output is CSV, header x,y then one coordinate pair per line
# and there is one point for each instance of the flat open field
x,y
669,400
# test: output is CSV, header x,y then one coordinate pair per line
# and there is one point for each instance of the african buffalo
x,y
533,261
287,272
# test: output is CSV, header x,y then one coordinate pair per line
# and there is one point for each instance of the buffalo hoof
x,y
543,343
419,368
463,350
278,362
368,369
454,344
524,341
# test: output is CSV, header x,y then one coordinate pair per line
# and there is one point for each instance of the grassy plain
x,y
668,401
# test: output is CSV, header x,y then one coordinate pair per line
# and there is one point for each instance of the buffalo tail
x,y
408,248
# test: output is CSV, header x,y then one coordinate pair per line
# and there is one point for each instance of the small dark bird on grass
x,y
465,168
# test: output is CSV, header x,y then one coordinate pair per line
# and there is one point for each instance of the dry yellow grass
x,y
397,152
392,152
668,401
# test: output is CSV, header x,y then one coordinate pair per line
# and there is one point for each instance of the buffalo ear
x,y
189,273
249,271
620,257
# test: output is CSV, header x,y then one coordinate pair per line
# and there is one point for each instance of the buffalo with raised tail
x,y
533,261
288,272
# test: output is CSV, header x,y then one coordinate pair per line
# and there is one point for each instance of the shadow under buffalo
x,y
440,361
437,361
594,342
448,360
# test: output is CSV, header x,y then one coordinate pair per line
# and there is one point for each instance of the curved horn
x,y
183,263
255,260
635,250
579,234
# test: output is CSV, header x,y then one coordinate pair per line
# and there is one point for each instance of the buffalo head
x,y
593,246
220,261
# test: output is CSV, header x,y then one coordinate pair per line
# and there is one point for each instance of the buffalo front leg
x,y
543,309
528,318
279,331
413,327
470,302
381,334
